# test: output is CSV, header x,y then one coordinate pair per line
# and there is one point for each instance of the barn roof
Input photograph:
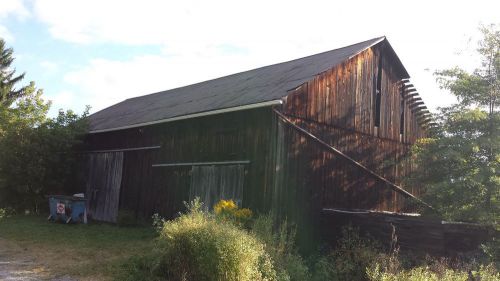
x,y
257,87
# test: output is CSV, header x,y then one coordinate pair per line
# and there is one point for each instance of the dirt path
x,y
17,265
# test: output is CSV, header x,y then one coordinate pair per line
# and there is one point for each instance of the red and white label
x,y
61,208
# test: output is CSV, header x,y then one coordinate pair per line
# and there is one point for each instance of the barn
x,y
325,132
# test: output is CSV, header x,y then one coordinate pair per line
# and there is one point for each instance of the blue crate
x,y
68,209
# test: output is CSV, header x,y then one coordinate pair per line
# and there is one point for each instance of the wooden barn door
x,y
213,183
103,185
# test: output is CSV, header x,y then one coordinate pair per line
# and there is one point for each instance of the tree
x,y
37,153
8,78
459,163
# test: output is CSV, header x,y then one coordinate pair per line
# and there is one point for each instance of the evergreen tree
x,y
8,77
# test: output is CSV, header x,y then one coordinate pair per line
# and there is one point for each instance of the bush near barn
x,y
202,245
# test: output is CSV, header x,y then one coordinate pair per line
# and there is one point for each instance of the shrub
x,y
197,246
491,250
425,273
280,244
158,222
3,213
349,259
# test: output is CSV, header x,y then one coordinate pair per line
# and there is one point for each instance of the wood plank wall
x,y
244,135
338,107
419,235
343,97
329,181
287,171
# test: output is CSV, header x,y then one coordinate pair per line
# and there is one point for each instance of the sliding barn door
x,y
213,183
103,185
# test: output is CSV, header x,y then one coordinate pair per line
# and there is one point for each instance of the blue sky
x,y
101,52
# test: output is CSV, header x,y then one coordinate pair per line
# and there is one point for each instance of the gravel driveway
x,y
17,265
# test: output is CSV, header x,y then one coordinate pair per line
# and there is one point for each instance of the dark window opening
x,y
377,109
402,114
378,94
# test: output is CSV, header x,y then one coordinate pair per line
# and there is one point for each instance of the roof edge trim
x,y
380,39
194,115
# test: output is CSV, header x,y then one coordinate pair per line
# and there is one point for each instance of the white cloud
x,y
63,99
105,82
5,34
13,7
9,8
195,34
49,66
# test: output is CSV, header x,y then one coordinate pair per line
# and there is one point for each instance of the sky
x,y
98,53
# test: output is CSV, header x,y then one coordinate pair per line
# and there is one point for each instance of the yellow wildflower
x,y
225,206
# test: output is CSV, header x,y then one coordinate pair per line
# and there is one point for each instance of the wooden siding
x,y
215,182
104,178
343,97
244,135
287,171
330,181
338,107
420,235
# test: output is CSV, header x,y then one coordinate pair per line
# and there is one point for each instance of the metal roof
x,y
253,87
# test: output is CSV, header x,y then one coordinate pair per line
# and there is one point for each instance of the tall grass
x,y
279,241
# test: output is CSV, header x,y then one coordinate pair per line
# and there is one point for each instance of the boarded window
x,y
103,185
216,182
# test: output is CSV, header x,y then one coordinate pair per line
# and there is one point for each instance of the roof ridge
x,y
253,86
376,40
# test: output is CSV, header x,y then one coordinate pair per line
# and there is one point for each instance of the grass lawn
x,y
87,252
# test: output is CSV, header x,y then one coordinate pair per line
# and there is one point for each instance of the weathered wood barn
x,y
327,131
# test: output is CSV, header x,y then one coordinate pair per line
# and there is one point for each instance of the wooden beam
x,y
425,121
407,91
409,96
123,149
417,110
422,113
346,157
241,162
360,211
418,104
414,99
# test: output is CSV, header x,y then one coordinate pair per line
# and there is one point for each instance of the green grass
x,y
90,251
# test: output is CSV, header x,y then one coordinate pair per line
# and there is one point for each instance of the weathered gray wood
x,y
123,149
202,163
394,186
213,183
103,185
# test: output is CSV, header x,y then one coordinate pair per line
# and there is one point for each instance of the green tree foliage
x,y
36,152
459,164
8,77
